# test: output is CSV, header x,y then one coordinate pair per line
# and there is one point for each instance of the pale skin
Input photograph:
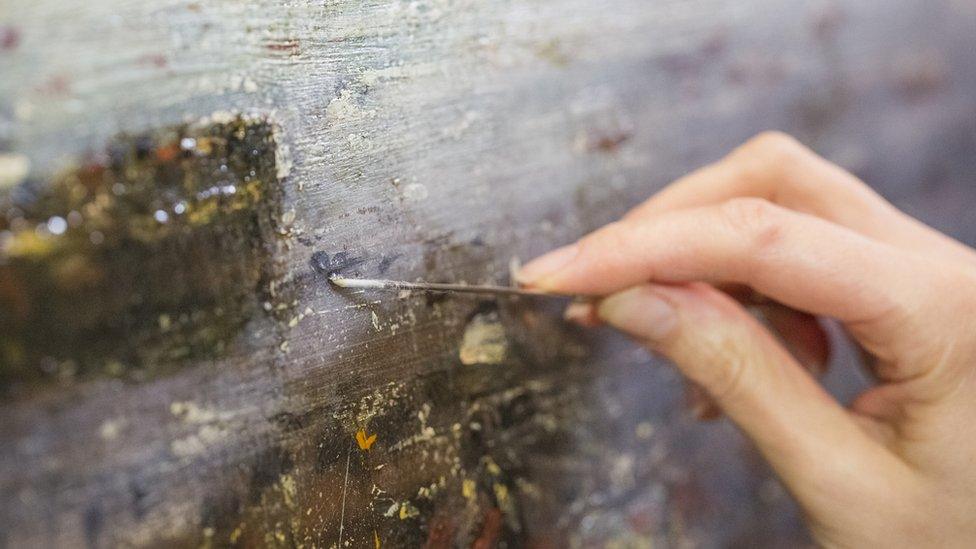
x,y
895,468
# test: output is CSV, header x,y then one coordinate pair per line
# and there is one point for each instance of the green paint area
x,y
156,250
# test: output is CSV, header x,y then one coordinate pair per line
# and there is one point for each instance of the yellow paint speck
x,y
289,490
408,511
468,489
492,467
501,493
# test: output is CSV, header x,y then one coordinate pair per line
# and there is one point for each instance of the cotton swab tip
x,y
343,282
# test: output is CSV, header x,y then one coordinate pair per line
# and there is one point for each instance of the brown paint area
x,y
439,460
157,249
431,479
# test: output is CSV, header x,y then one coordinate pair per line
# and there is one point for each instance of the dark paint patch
x,y
287,421
266,469
434,298
386,262
331,446
217,506
607,141
94,523
491,530
338,263
139,504
440,532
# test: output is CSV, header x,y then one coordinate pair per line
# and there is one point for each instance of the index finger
x,y
797,259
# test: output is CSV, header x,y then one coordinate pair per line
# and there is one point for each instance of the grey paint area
x,y
437,139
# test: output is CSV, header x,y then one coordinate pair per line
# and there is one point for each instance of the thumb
x,y
810,440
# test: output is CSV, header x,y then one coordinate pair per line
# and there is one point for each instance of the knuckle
x,y
721,366
730,384
757,221
769,154
774,146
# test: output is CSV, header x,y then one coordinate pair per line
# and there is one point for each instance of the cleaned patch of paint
x,y
156,250
484,340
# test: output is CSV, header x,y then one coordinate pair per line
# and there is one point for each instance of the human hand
x,y
898,466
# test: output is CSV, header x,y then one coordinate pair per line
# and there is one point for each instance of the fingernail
x,y
582,314
547,265
639,312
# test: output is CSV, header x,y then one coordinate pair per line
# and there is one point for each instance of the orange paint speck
x,y
363,441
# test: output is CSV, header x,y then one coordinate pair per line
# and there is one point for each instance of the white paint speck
x,y
249,85
288,217
57,225
109,429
